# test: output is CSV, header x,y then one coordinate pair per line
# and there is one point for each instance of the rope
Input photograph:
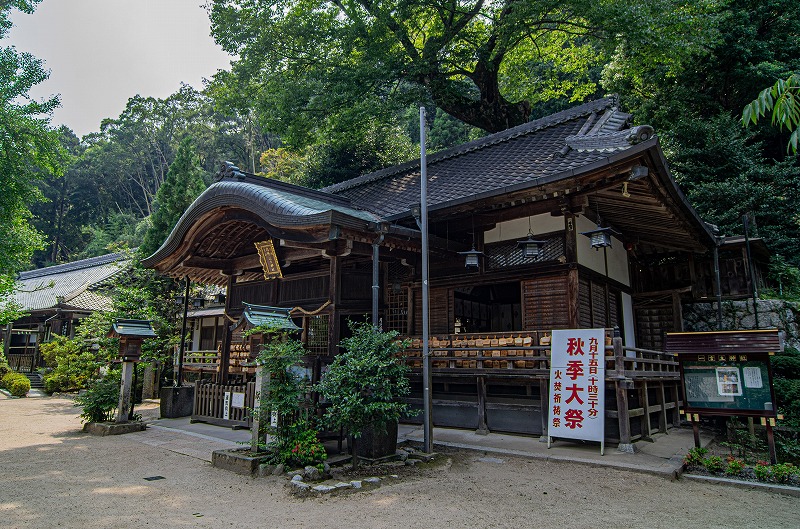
x,y
312,312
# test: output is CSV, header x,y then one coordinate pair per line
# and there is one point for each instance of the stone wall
x,y
739,315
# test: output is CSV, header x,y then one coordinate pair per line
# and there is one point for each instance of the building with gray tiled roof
x,y
56,297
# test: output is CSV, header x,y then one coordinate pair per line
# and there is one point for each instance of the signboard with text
x,y
577,375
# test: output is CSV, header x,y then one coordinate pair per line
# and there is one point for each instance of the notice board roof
x,y
760,341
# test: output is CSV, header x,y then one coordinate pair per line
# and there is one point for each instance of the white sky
x,y
102,52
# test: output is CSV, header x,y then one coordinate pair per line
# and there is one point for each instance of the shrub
x,y
783,471
735,466
695,457
714,464
100,399
763,471
305,449
17,384
4,368
72,372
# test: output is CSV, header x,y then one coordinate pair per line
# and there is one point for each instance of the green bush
x,y
303,450
4,368
714,464
17,384
735,466
783,471
695,457
100,399
763,471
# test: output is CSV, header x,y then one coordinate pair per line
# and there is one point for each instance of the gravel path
x,y
54,476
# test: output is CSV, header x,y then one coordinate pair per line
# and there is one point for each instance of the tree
x,y
485,63
783,99
184,183
28,150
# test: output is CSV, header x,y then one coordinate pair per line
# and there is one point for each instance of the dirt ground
x,y
54,476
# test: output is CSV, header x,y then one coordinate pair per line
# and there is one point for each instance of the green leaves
x,y
783,99
363,384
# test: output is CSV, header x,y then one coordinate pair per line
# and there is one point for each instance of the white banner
x,y
577,384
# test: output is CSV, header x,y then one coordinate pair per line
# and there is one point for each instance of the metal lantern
x,y
198,302
471,260
531,248
600,238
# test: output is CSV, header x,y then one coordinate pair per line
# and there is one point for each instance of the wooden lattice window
x,y
507,253
397,310
317,334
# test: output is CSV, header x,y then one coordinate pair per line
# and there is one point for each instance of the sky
x,y
102,52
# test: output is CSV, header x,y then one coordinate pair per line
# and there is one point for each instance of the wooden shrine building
x,y
329,255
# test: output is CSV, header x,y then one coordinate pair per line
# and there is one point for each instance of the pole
x,y
427,405
376,285
750,267
182,345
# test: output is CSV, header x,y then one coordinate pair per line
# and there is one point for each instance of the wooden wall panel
x,y
545,303
441,311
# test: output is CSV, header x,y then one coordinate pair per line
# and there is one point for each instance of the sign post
x,y
728,373
577,386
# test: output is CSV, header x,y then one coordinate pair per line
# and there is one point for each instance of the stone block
x,y
113,428
238,461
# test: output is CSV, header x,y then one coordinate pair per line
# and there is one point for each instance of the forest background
x,y
321,92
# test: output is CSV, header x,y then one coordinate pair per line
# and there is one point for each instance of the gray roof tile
x,y
548,146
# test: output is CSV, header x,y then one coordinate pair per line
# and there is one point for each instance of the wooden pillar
x,y
677,312
7,341
483,429
227,335
662,416
644,400
334,280
573,301
621,384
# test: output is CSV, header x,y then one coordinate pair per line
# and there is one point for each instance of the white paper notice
x,y
237,401
752,377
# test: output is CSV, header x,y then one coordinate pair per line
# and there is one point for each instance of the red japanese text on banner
x,y
577,375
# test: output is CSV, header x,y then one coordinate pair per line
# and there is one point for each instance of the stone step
x,y
36,380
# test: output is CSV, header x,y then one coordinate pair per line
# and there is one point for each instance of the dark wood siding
x,y
257,292
441,311
304,289
544,303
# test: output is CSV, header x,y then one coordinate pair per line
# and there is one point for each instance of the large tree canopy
x,y
485,62
28,151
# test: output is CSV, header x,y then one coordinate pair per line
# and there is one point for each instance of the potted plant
x,y
362,387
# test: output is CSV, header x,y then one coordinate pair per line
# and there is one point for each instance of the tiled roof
x,y
70,284
556,144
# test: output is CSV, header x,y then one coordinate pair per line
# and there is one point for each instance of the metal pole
x,y
376,285
427,405
750,266
182,345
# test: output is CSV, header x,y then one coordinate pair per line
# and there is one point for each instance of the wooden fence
x,y
212,406
22,363
646,383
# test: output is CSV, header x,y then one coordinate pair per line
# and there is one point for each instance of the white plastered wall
x,y
592,258
518,228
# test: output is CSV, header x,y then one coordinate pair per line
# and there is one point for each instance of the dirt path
x,y
52,475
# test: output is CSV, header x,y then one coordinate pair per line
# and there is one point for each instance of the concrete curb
x,y
786,490
671,470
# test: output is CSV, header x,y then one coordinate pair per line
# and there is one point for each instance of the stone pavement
x,y
663,457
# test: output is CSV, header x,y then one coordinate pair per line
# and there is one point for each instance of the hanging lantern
x,y
531,248
471,259
600,238
198,302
